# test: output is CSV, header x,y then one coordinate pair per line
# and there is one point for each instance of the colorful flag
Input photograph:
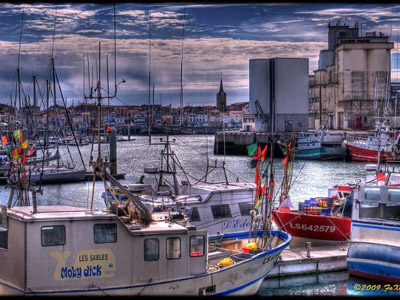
x,y
264,188
5,140
257,175
251,149
24,144
264,153
258,203
258,154
17,135
15,156
285,160
9,149
30,151
19,150
23,160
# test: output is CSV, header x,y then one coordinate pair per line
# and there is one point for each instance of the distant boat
x,y
319,145
382,141
57,175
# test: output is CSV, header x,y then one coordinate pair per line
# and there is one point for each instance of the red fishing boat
x,y
321,220
382,144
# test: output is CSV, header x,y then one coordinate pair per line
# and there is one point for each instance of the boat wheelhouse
x,y
374,249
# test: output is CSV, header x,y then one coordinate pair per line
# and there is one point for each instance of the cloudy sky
x,y
217,40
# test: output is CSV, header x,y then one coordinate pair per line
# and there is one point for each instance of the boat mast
x,y
148,119
181,87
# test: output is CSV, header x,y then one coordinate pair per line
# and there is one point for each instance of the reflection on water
x,y
331,284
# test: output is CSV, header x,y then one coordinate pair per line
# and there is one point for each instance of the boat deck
x,y
322,259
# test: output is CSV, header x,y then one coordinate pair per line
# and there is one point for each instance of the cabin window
x,y
221,211
369,210
197,243
245,208
394,195
105,233
194,215
173,248
372,194
53,235
151,249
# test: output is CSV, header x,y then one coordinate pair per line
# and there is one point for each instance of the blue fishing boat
x,y
374,250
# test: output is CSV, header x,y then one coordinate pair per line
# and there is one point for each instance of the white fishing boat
x,y
84,252
218,207
374,249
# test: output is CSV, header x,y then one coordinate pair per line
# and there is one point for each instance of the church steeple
x,y
221,97
221,88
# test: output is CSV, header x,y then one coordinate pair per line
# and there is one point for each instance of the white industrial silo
x,y
280,85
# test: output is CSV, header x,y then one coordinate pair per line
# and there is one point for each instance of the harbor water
x,y
311,179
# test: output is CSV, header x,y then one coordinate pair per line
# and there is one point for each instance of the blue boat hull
x,y
374,261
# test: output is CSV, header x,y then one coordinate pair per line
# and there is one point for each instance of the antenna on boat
x,y
100,166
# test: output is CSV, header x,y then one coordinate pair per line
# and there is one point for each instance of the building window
x,y
105,233
53,235
151,249
194,215
221,211
173,248
245,208
197,243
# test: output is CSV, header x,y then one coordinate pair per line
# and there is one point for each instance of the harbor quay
x,y
236,142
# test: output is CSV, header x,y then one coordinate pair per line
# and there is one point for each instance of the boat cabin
x,y
215,207
65,248
376,206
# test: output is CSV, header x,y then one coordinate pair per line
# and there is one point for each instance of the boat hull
x,y
369,155
321,153
58,176
374,261
313,227
242,278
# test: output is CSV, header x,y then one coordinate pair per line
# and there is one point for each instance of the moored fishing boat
x,y
320,220
374,249
81,251
218,207
382,141
318,145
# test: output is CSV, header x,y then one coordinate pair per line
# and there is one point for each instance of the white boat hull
x,y
242,278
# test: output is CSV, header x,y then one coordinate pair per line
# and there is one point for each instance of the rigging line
x,y
70,123
181,87
213,160
20,35
54,33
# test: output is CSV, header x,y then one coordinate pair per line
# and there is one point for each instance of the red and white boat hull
x,y
312,227
370,155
